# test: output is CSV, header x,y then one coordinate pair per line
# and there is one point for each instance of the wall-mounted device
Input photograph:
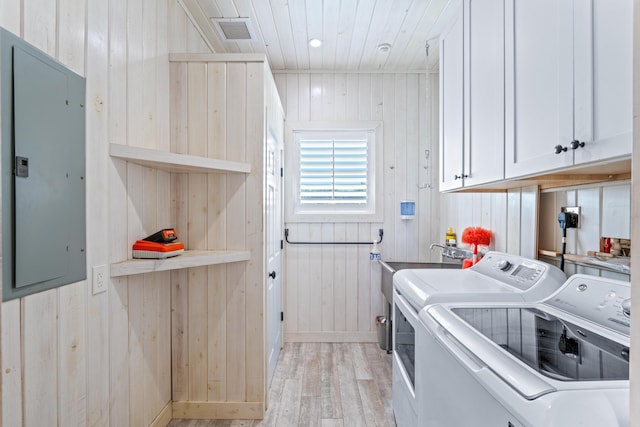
x,y
407,210
572,210
42,129
566,219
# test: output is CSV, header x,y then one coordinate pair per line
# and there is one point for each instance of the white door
x,y
274,252
484,41
539,85
452,105
603,78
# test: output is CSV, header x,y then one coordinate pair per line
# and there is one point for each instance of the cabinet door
x,y
452,104
539,85
484,147
603,78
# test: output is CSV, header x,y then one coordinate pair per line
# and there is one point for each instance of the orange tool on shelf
x,y
159,245
165,235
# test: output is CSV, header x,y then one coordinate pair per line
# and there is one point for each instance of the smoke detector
x,y
234,29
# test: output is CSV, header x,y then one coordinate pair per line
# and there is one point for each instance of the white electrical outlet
x,y
99,278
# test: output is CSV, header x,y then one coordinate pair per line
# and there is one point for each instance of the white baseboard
x,y
219,410
331,337
164,417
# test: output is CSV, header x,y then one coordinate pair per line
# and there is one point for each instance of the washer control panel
x,y
520,273
598,299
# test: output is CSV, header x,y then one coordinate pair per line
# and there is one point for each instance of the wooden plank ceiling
x,y
352,31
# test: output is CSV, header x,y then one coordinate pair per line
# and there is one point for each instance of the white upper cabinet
x,y
603,79
452,104
539,85
568,83
484,140
472,96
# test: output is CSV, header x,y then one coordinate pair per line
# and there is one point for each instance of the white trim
x,y
208,410
291,180
217,57
331,337
327,71
164,417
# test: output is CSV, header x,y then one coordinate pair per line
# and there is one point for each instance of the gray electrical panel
x,y
42,122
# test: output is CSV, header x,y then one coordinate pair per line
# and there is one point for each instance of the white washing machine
x,y
497,277
560,362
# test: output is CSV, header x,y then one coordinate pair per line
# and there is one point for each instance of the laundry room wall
x,y
332,292
70,357
510,216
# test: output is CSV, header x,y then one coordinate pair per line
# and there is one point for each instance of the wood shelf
x,y
186,260
588,261
173,162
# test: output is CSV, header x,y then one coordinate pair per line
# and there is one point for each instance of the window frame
x,y
298,212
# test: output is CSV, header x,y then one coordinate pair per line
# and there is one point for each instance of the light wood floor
x,y
324,384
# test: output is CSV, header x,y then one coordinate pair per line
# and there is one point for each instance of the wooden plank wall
x,y
332,292
218,312
511,217
70,357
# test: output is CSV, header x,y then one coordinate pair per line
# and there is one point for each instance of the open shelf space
x,y
173,162
613,264
186,260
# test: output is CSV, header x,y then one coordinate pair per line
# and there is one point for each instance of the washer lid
x,y
506,277
462,340
529,349
422,287
554,347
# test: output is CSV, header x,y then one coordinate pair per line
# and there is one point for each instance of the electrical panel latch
x,y
22,167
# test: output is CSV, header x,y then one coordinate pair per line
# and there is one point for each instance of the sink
x,y
390,267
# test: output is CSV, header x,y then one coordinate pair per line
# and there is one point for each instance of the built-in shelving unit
x,y
172,162
177,163
186,260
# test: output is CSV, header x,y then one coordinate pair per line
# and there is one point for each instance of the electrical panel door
x,y
43,141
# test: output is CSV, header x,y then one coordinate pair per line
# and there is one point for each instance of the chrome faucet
x,y
452,252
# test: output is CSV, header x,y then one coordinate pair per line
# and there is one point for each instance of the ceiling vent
x,y
234,29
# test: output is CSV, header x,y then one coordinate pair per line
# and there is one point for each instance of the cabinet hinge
x,y
282,316
281,172
281,244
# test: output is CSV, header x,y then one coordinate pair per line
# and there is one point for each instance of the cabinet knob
x,y
575,144
560,149
272,274
456,177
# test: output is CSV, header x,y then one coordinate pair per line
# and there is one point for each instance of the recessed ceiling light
x,y
384,47
315,42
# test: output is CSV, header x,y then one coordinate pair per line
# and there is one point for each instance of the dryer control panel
x,y
522,273
598,299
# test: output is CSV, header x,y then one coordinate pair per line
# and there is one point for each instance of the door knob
x,y
461,176
272,274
